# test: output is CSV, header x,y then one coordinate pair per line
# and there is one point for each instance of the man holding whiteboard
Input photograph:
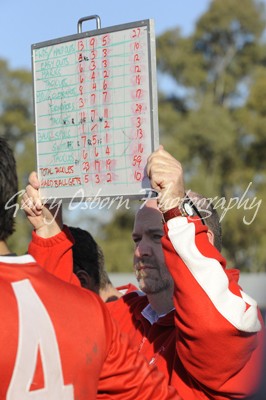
x,y
49,350
194,322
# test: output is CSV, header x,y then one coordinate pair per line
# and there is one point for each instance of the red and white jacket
x,y
210,346
58,342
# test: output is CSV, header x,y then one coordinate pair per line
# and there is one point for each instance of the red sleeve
x,y
125,289
55,255
219,329
127,375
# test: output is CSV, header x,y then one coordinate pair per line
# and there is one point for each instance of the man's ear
x,y
85,279
210,236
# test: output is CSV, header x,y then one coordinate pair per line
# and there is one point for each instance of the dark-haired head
x,y
88,257
8,190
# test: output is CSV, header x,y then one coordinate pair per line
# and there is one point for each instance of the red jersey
x,y
128,288
210,345
58,342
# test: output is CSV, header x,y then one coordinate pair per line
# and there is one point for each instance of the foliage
x,y
213,120
117,243
16,125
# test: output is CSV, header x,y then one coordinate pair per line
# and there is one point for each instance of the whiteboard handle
x,y
98,22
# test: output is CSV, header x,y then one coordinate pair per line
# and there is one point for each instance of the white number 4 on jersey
x,y
36,331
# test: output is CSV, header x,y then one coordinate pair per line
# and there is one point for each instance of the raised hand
x,y
166,177
46,218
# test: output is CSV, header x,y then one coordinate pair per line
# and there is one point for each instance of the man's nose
x,y
143,248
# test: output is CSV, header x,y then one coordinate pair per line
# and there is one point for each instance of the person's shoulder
x,y
135,295
72,293
134,299
233,273
125,289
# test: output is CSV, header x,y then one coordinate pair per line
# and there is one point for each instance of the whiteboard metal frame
x,y
151,42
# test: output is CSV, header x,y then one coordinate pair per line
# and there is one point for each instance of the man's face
x,y
149,265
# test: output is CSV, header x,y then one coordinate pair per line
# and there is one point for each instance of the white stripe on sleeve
x,y
210,275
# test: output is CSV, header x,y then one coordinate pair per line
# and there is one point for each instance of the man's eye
x,y
157,237
136,240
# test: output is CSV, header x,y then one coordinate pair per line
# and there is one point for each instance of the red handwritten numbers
x,y
93,102
106,98
99,123
99,111
95,124
82,114
138,105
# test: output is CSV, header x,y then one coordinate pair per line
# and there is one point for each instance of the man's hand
x,y
166,177
45,219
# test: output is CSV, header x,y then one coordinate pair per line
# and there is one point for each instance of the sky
x,y
26,22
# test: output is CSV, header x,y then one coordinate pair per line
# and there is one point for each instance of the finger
x,y
29,209
163,164
31,200
160,156
33,180
34,194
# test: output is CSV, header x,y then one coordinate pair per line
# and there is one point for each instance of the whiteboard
x,y
96,112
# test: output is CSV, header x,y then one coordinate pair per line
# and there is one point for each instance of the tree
x,y
16,125
214,121
116,241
